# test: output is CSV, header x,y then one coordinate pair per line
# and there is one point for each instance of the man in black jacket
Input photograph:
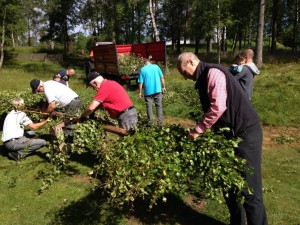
x,y
226,104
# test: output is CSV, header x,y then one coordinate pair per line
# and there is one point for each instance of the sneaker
x,y
15,156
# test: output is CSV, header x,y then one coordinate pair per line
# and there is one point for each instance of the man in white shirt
x,y
14,138
59,96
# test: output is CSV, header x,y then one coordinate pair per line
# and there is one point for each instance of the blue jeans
x,y
157,97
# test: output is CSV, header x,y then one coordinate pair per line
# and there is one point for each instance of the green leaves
x,y
150,163
157,161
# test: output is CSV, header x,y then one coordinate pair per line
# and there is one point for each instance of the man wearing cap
x,y
63,76
59,96
19,143
112,97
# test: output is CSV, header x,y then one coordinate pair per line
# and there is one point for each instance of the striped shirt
x,y
217,94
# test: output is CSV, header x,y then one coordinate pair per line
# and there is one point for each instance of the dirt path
x,y
272,135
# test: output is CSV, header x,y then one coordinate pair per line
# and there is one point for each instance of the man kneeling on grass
x,y
19,143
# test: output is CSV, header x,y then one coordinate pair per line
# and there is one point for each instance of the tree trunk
x,y
28,34
139,32
234,40
274,24
208,44
240,39
156,36
13,39
218,35
223,41
260,32
2,38
52,45
132,36
295,28
196,45
250,32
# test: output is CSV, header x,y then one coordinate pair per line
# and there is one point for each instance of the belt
x,y
75,98
11,140
125,110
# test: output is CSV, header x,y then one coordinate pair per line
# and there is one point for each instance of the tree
x,y
62,19
296,26
11,24
274,24
3,12
260,32
155,31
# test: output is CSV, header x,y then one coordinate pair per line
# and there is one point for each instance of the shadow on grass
x,y
174,211
85,158
93,209
3,151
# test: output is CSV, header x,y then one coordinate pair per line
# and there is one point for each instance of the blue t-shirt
x,y
150,77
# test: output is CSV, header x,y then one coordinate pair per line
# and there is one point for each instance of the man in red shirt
x,y
112,97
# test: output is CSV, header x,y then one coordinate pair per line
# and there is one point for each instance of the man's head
x,y
249,55
36,86
147,61
70,72
95,80
187,64
18,102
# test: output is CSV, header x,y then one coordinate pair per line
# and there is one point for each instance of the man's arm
x,y
50,107
163,84
35,126
94,104
217,94
140,90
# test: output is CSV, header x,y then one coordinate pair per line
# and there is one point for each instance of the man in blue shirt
x,y
152,80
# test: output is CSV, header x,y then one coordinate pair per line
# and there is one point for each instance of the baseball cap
x,y
34,84
94,75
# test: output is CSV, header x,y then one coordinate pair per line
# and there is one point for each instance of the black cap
x,y
92,76
34,84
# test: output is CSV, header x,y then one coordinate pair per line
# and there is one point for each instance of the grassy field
x,y
71,199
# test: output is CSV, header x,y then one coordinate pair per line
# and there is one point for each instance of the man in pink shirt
x,y
226,104
114,98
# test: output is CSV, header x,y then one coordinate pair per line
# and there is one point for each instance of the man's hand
x,y
193,135
140,95
56,114
78,120
164,90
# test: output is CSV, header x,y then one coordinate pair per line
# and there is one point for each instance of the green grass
x,y
71,199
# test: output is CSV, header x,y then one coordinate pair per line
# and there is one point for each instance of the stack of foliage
x,y
148,164
153,162
131,63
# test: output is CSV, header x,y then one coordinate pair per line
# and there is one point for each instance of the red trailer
x,y
106,56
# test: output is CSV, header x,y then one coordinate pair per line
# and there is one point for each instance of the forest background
x,y
217,31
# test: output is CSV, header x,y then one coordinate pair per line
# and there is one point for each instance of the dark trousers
x,y
253,207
